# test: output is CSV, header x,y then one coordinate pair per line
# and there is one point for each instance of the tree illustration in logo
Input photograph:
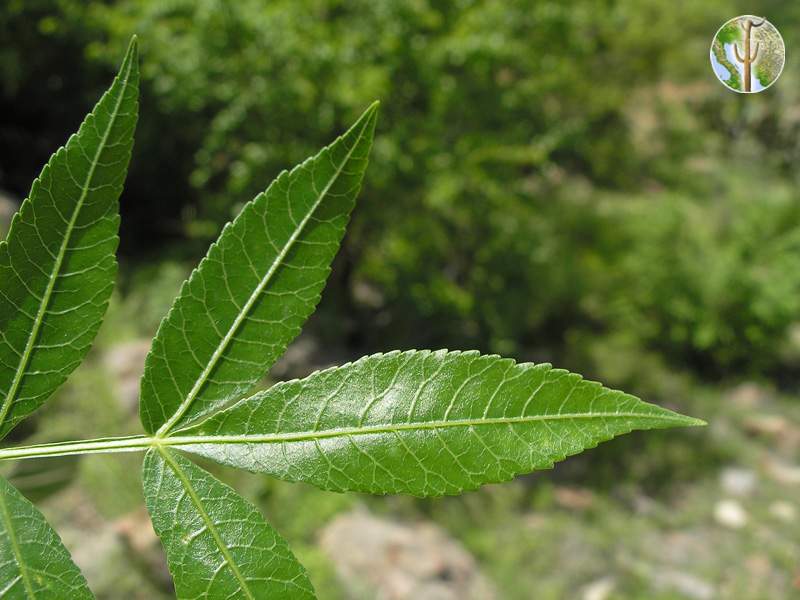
x,y
749,57
748,54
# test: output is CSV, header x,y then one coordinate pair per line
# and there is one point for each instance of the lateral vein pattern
x,y
54,289
419,422
258,284
218,545
34,565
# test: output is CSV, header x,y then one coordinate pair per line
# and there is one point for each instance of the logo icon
x,y
748,54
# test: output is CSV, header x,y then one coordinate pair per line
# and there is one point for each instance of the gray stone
x,y
120,559
386,560
737,482
782,434
600,589
685,584
748,395
783,472
730,513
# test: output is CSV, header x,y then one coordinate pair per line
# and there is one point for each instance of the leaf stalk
x,y
136,443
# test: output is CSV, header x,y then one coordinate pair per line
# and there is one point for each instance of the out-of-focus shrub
x,y
713,283
505,128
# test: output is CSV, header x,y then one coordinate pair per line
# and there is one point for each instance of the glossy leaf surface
x,y
218,545
420,422
259,282
57,265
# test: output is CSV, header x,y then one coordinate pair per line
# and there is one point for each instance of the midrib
x,y
140,443
302,436
32,337
215,357
12,536
212,528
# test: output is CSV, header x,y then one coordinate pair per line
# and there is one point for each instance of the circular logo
x,y
748,54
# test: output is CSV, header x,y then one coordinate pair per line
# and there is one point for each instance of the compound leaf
x,y
259,282
34,565
420,422
217,544
57,265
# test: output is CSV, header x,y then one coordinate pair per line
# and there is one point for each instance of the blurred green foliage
x,y
557,181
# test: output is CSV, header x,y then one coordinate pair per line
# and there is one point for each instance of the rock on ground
x,y
782,472
748,395
386,560
730,513
601,589
120,558
738,482
684,584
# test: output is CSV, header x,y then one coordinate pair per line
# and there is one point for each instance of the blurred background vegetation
x,y
554,181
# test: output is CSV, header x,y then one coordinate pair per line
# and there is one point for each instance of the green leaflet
x,y
218,545
420,422
34,565
417,422
57,265
259,282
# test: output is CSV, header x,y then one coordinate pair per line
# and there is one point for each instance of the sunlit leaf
x,y
218,545
259,282
420,422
